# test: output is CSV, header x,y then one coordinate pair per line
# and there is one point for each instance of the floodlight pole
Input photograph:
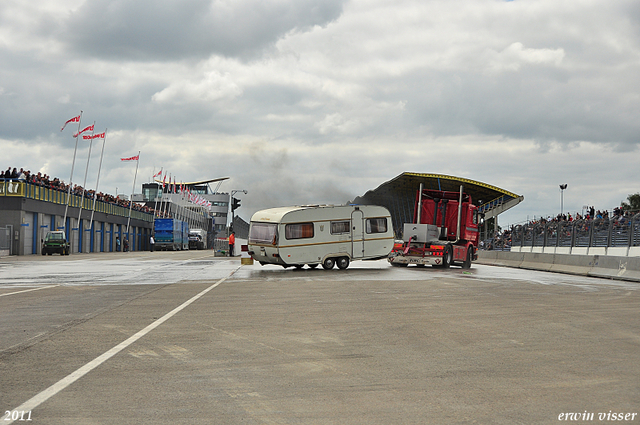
x,y
562,188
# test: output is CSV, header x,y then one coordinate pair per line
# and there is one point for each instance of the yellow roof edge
x,y
462,179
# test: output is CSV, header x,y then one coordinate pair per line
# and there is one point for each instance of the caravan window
x,y
298,231
376,225
340,227
262,233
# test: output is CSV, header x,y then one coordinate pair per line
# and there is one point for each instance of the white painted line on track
x,y
28,290
40,398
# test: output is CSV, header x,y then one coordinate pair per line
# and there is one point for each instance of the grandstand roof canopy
x,y
491,200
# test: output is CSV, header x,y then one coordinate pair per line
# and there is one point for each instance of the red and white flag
x,y
164,181
159,173
133,158
74,119
94,136
89,128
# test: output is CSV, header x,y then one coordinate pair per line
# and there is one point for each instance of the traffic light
x,y
235,204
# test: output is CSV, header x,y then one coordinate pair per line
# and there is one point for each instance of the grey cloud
x,y
528,104
338,110
148,30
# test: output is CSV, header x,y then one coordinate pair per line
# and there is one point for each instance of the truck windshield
x,y
262,233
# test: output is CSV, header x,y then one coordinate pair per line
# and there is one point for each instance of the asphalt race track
x,y
189,338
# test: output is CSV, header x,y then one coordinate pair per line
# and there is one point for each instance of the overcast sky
x,y
318,101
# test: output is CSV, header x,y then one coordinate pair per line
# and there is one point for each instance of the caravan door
x,y
357,233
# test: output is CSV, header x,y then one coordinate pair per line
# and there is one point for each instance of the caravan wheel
x,y
343,263
328,263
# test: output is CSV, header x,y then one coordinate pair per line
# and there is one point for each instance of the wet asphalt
x,y
190,338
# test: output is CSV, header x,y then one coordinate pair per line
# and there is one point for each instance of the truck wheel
x,y
467,262
447,258
343,263
44,252
328,263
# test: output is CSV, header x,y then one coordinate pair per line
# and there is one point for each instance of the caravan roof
x,y
275,215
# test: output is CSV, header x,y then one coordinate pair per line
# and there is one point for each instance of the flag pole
x,y
73,163
168,200
95,196
155,208
172,187
184,208
162,201
132,190
160,211
84,185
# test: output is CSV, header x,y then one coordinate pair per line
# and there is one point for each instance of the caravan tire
x,y
343,263
328,263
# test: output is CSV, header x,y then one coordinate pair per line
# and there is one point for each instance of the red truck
x,y
444,231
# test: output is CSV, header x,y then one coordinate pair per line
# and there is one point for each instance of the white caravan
x,y
320,234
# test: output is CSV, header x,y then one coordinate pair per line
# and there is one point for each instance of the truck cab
x,y
197,239
444,231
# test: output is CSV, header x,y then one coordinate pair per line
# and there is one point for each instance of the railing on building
x,y
22,189
578,236
493,204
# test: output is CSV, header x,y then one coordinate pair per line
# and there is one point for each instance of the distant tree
x,y
634,203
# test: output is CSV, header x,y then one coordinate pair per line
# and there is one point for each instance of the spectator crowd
x,y
43,180
502,238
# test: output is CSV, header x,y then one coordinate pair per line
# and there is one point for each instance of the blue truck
x,y
171,234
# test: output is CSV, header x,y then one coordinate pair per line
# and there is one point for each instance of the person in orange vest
x,y
232,242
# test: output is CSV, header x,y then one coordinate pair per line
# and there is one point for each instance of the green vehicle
x,y
55,241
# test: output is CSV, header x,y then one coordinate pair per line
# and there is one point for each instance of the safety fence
x,y
604,236
221,246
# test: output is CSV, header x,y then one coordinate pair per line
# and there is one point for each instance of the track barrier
x,y
609,267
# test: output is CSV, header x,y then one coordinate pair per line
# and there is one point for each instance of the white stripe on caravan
x,y
322,243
